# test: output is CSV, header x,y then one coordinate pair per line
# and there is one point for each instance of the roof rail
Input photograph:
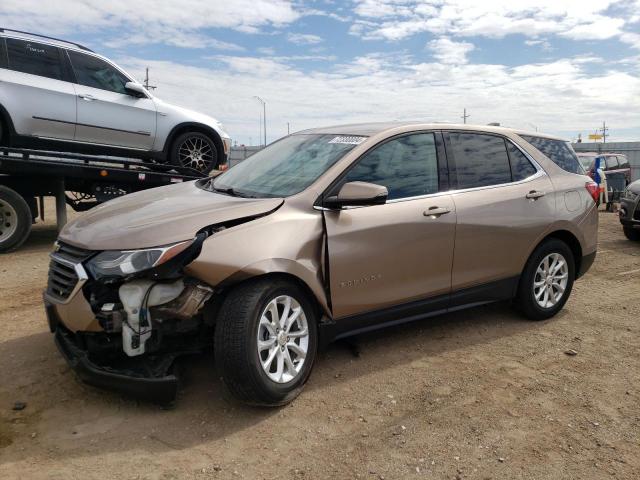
x,y
2,29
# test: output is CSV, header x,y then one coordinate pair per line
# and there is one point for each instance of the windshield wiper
x,y
230,191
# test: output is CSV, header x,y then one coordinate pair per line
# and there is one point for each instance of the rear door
x,y
35,90
386,255
504,202
107,114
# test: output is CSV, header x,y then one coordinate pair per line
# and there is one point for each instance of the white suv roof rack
x,y
49,38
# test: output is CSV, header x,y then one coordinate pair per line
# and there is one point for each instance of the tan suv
x,y
325,233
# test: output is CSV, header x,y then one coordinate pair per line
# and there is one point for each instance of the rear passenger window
x,y
34,58
612,162
521,167
479,160
558,151
624,163
407,166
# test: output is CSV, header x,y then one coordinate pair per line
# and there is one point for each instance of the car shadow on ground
x,y
74,416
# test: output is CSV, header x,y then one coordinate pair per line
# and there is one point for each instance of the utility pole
x,y
146,81
288,132
264,118
465,116
604,131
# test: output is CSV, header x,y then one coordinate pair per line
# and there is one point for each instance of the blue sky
x,y
561,66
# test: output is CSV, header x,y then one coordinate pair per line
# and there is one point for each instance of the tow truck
x,y
80,181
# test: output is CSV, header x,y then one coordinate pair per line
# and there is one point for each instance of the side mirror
x,y
357,194
135,89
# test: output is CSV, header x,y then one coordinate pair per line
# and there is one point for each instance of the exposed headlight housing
x,y
122,263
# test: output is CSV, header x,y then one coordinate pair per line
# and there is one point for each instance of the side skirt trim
x,y
417,310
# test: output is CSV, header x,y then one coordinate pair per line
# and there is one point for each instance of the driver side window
x,y
96,73
407,166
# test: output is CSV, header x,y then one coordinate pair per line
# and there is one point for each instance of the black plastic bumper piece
x,y
161,390
585,264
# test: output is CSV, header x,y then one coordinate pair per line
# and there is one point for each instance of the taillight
x,y
594,191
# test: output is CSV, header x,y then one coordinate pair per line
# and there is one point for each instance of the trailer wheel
x,y
15,220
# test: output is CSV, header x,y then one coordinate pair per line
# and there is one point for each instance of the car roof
x,y
374,128
56,42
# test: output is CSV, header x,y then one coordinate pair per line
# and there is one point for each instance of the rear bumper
x,y
156,385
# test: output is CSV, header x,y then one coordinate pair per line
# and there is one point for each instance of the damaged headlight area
x,y
113,264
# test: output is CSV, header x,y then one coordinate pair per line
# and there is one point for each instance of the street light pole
x,y
264,117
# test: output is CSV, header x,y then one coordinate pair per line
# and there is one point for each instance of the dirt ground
x,y
479,394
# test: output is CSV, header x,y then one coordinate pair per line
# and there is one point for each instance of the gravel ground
x,y
478,394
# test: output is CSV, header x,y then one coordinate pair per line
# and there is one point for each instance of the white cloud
x,y
575,19
147,19
304,38
447,51
556,96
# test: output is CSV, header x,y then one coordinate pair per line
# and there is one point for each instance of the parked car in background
x,y
630,211
61,96
613,162
323,234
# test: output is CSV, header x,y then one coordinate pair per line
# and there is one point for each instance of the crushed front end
x,y
121,318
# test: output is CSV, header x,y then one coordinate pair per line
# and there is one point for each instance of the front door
x,y
386,255
107,114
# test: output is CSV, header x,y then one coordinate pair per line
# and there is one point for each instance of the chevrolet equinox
x,y
325,233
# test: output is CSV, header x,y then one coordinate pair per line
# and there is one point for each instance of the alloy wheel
x,y
550,281
283,339
196,153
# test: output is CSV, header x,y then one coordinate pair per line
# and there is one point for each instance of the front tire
x,y
194,151
546,281
266,341
15,220
631,233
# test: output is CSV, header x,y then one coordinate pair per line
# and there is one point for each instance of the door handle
x,y
86,97
435,212
534,195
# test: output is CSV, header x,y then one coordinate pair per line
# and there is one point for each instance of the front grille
x,y
63,270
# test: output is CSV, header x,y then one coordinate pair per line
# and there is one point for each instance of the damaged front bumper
x,y
150,378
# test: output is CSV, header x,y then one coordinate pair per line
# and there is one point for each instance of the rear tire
x,y
15,220
195,151
545,287
631,233
246,338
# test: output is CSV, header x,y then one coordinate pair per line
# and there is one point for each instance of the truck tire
x,y
15,220
266,341
195,151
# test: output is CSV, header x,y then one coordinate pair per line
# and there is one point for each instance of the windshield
x,y
285,167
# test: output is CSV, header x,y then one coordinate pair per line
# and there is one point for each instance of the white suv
x,y
58,95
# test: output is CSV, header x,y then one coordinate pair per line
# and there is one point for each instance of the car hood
x,y
159,216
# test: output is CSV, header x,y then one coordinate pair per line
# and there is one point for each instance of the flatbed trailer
x,y
81,181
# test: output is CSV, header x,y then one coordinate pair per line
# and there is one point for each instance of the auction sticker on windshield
x,y
351,140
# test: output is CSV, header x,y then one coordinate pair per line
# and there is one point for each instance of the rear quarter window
x,y
558,151
34,58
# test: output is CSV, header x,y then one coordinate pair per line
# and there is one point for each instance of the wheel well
x,y
572,242
293,279
196,127
6,124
